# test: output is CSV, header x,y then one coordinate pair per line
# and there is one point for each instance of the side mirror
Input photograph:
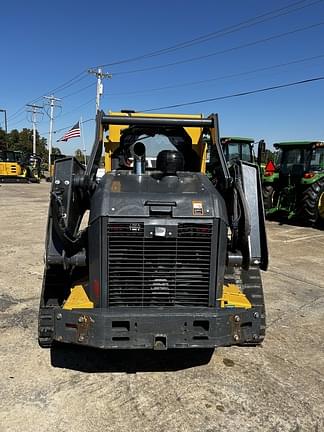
x,y
261,151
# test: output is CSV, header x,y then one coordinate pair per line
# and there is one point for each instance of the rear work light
x,y
309,175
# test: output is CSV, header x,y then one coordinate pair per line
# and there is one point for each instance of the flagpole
x,y
83,143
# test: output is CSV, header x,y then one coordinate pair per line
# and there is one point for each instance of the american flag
x,y
74,132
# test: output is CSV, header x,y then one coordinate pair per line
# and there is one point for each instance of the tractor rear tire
x,y
312,204
268,194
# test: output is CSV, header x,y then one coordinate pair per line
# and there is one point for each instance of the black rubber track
x,y
252,288
251,284
55,279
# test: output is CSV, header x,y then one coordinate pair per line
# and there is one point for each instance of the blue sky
x,y
45,44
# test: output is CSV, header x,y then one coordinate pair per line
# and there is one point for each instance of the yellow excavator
x,y
16,168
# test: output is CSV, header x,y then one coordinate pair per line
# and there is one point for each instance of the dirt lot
x,y
276,387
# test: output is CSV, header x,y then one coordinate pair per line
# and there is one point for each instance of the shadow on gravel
x,y
282,220
85,359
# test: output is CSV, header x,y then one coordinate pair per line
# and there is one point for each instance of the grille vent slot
x,y
157,271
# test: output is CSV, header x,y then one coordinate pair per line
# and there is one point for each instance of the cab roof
x,y
296,143
115,130
237,139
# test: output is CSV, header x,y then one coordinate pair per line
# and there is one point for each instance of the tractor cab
x,y
238,148
297,159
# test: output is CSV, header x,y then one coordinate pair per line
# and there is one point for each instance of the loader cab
x,y
155,141
188,141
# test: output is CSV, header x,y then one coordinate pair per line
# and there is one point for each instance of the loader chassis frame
x,y
154,329
136,295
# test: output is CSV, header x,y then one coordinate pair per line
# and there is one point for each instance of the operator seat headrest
x,y
169,162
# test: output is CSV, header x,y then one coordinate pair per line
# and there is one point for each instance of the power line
x,y
187,84
222,32
219,33
194,82
63,86
22,117
236,48
18,122
191,83
77,91
78,107
16,113
233,95
77,78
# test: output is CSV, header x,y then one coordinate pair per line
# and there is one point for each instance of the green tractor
x,y
243,149
294,187
238,148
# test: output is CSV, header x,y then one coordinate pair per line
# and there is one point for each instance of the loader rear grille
x,y
157,271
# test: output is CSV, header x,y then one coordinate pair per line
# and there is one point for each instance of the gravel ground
x,y
276,387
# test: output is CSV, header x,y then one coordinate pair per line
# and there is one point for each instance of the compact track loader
x,y
171,252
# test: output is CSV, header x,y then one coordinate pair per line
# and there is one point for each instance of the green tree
x,y
56,151
23,141
79,155
13,139
3,139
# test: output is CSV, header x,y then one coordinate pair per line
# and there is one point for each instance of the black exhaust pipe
x,y
138,153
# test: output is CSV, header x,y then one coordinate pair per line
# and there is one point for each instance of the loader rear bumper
x,y
151,328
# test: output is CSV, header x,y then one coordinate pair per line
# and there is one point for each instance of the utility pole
x,y
34,110
52,100
5,118
83,142
100,76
